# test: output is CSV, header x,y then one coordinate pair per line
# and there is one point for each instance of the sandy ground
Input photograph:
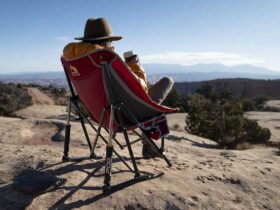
x,y
273,104
202,176
38,97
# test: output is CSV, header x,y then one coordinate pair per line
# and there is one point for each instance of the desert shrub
x,y
225,95
12,98
260,101
175,99
221,119
206,90
248,105
221,122
56,92
175,127
255,133
198,120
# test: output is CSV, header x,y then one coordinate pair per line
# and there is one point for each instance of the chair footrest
x,y
141,178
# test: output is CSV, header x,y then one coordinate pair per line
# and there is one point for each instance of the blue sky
x,y
232,32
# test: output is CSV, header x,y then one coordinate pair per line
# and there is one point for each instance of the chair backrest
x,y
88,77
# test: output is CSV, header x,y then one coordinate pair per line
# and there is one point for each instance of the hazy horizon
x,y
183,69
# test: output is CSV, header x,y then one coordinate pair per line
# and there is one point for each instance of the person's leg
x,y
157,93
160,90
148,151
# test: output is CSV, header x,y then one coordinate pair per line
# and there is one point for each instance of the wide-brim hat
x,y
98,30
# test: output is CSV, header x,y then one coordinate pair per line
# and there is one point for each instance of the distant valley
x,y
56,79
187,78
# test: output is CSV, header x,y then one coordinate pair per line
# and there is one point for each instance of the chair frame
x,y
115,108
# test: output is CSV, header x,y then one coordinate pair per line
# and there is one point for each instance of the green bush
x,y
220,118
255,133
206,90
260,101
248,105
220,122
55,91
12,98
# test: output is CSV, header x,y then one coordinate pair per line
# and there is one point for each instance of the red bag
x,y
156,127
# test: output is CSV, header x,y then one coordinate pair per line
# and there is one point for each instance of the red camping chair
x,y
116,101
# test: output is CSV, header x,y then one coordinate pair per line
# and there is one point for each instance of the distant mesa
x,y
155,68
244,88
202,72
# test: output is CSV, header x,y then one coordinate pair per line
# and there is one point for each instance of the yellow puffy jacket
x,y
73,50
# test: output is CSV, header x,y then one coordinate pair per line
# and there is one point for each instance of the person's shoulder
x,y
70,45
76,49
92,47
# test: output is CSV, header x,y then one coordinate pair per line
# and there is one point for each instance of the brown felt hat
x,y
98,30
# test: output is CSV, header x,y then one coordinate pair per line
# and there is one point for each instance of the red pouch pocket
x,y
156,127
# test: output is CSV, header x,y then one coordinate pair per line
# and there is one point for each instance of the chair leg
x,y
109,154
117,142
67,134
108,168
162,145
66,143
92,154
106,142
85,132
81,117
136,171
133,142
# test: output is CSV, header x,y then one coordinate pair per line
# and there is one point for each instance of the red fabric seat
x,y
86,76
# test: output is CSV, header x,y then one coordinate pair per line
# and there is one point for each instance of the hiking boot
x,y
148,151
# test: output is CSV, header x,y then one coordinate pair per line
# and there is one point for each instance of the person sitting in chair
x,y
98,35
